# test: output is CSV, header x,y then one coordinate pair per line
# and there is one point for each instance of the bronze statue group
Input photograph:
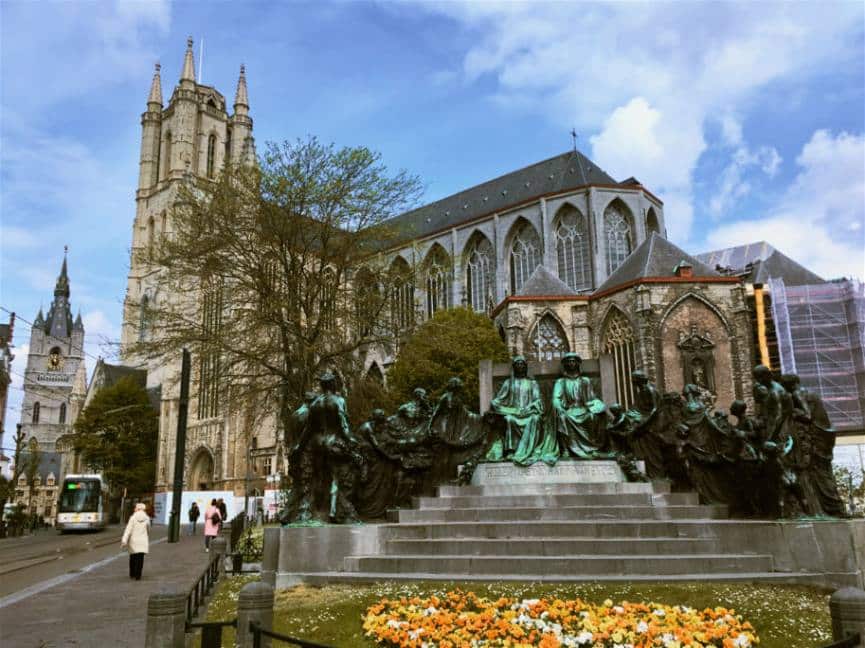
x,y
776,462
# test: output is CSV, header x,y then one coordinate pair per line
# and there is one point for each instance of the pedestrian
x,y
194,514
223,511
212,520
137,538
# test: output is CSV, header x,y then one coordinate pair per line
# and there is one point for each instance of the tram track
x,y
51,552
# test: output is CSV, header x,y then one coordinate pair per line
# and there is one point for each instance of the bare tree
x,y
259,273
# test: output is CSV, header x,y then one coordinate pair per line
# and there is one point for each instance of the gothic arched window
x,y
548,340
211,155
652,222
228,145
209,366
36,408
144,317
618,341
62,418
572,249
438,282
151,235
617,230
525,256
367,301
480,273
401,296
166,163
328,300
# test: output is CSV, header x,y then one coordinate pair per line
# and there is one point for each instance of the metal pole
x,y
180,451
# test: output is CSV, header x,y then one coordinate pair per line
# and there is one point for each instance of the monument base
x,y
564,472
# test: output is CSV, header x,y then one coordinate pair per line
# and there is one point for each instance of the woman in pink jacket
x,y
212,518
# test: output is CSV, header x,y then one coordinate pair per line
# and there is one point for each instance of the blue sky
x,y
745,118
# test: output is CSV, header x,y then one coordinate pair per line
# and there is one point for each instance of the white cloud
x,y
743,162
818,221
651,70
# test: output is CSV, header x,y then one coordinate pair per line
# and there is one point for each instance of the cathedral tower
x,y
194,134
55,367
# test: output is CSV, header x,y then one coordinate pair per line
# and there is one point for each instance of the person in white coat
x,y
137,538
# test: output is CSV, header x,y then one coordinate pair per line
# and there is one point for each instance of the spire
x,y
241,97
188,73
40,318
79,324
62,286
155,96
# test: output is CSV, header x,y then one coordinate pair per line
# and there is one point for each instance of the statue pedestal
x,y
564,472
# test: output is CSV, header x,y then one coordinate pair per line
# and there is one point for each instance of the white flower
x,y
642,627
618,609
584,638
429,611
659,613
742,641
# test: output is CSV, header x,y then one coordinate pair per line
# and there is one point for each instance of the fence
x,y
206,581
259,634
849,642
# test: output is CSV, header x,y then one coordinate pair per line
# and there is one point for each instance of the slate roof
x,y
758,262
655,257
557,174
544,283
114,373
49,462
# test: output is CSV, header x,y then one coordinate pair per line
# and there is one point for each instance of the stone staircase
x,y
556,532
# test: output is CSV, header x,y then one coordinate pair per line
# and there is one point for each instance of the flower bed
x,y
462,619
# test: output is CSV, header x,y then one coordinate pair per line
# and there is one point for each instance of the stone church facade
x,y
560,255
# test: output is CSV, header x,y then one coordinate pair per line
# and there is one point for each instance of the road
x,y
29,560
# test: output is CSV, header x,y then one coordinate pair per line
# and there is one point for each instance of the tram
x,y
83,503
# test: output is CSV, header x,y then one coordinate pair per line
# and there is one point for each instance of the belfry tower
x,y
55,369
194,135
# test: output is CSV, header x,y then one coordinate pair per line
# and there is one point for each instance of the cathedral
x,y
559,254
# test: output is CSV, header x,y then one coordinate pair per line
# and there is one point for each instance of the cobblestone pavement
x,y
100,606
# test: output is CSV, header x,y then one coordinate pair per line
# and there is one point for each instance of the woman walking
x,y
137,538
212,520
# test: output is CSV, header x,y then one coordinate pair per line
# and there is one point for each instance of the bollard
x,y
166,620
255,603
270,555
219,546
847,607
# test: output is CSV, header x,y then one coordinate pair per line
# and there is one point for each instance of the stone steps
x,y
501,567
606,488
545,546
524,514
554,529
556,500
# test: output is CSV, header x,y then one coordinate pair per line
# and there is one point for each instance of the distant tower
x,y
194,134
55,365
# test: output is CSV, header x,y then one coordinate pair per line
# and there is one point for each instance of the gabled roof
x,y
655,257
758,262
558,174
544,283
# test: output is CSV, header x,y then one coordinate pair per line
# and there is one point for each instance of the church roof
x,y
111,374
655,257
557,174
758,262
544,283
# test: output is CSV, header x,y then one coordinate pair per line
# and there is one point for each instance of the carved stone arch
x,y
436,252
691,294
479,266
437,270
572,240
210,153
524,252
618,233
201,469
401,298
618,342
548,338
375,373
652,222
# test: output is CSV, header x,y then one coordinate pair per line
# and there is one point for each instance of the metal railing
x,y
846,642
211,631
202,587
258,633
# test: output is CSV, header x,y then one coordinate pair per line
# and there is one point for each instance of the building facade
x,y
559,254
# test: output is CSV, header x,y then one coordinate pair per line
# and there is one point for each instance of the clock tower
x,y
55,378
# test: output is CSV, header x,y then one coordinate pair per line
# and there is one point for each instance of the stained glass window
x,y
572,249
525,256
480,274
618,341
618,233
438,283
548,340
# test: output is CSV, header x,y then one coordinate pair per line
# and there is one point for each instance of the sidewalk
x,y
102,607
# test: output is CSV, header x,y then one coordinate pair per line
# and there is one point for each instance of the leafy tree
x,y
32,459
116,434
851,488
7,486
451,343
267,259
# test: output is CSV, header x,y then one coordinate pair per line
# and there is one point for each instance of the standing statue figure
x,y
808,408
580,417
748,464
519,405
298,506
375,492
643,415
776,409
621,429
412,418
335,453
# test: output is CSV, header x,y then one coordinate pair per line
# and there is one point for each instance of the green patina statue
x,y
580,417
518,403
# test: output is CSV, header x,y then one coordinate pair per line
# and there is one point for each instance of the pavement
x,y
98,605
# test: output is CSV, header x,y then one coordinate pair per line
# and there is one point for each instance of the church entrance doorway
x,y
201,471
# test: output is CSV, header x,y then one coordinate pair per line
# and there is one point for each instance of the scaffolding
x,y
821,337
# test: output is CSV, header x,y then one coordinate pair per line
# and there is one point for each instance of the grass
x,y
784,616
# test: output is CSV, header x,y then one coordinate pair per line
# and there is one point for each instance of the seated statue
x,y
620,429
643,416
580,417
519,406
